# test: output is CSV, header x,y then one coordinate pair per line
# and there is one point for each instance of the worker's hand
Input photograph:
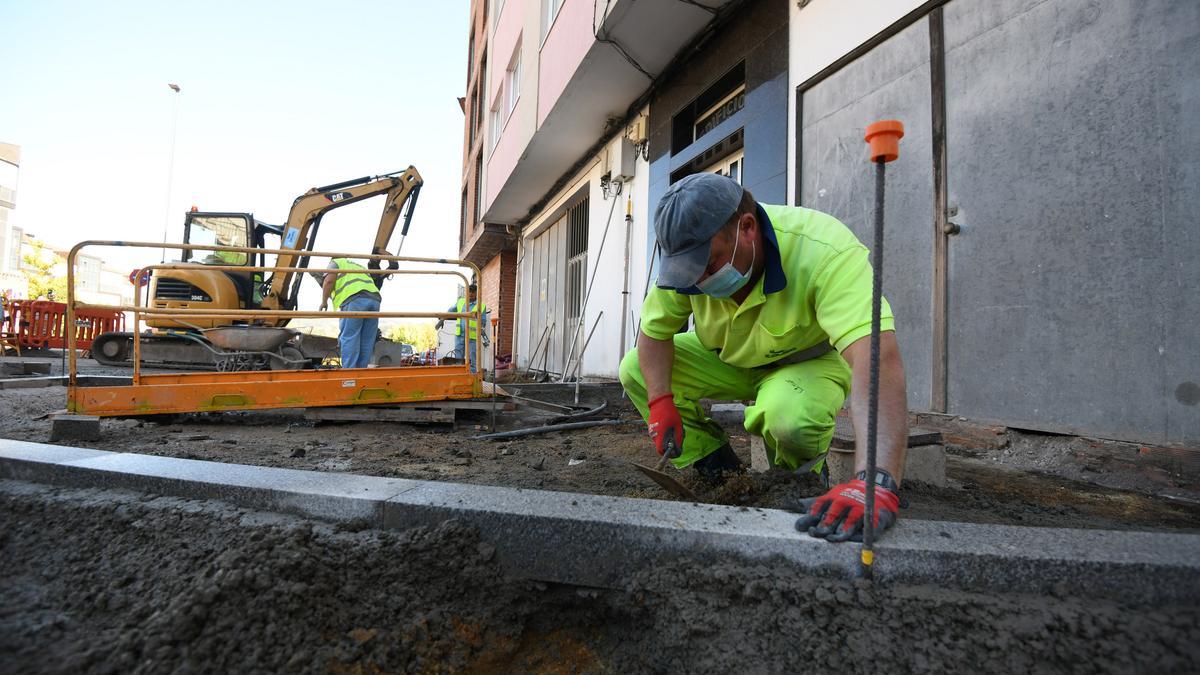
x,y
324,306
838,514
665,423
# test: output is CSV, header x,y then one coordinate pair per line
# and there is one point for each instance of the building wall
x,y
541,272
499,293
567,41
517,26
757,36
474,123
1069,166
10,166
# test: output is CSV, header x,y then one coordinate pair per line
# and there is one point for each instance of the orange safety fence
x,y
39,324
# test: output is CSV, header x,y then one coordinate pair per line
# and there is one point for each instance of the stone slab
x,y
308,493
843,435
925,463
38,382
25,368
31,382
601,541
75,428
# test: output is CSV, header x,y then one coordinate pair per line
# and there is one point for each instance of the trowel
x,y
665,480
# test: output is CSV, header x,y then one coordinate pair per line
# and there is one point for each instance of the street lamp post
x,y
170,168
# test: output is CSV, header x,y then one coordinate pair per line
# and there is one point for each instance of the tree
x,y
38,269
421,335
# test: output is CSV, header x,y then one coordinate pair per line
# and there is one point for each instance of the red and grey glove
x,y
665,423
838,514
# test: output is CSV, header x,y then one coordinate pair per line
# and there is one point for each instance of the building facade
x,y
1040,254
12,282
486,244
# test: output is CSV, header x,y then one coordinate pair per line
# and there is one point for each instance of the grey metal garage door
x,y
1073,146
891,81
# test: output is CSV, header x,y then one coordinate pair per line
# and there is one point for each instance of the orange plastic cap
x,y
884,137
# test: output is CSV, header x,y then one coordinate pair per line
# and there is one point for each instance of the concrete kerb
x,y
602,541
335,497
40,382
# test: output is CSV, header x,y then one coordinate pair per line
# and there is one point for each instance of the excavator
x,y
221,344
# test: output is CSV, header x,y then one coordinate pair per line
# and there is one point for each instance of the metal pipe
x,y
625,276
582,351
495,324
546,354
533,359
579,361
549,429
646,287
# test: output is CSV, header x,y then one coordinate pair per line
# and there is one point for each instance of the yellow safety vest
x,y
349,284
826,298
472,325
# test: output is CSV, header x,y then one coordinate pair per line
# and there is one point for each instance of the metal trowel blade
x,y
668,483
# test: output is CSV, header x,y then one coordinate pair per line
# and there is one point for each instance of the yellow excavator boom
x,y
401,189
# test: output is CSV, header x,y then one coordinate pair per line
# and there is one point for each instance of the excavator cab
x,y
231,229
226,289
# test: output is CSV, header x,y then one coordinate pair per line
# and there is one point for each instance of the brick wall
x,y
498,290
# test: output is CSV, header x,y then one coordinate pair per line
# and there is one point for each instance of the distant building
x,y
12,282
95,281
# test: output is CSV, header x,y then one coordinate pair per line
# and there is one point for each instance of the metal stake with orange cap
x,y
495,345
884,139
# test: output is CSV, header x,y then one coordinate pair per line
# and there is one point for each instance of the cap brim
x,y
684,269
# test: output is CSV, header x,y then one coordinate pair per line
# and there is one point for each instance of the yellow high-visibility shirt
x,y
815,289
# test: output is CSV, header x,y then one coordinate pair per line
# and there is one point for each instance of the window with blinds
x,y
577,241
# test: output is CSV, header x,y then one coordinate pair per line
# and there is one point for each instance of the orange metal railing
x,y
244,390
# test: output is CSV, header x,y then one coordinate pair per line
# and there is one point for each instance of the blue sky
x,y
277,97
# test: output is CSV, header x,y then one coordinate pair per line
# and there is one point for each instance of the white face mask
x,y
728,280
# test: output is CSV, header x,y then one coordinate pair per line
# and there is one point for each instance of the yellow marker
x,y
868,557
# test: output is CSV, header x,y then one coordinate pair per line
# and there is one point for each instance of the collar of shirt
x,y
774,279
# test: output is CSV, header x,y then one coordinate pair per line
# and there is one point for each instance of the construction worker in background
x,y
225,257
354,292
466,331
781,298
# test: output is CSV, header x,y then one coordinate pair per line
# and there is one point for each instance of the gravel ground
x,y
107,582
984,486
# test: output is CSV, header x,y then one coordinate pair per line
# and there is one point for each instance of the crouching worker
x,y
781,299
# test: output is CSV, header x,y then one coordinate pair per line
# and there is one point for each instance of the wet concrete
x,y
105,581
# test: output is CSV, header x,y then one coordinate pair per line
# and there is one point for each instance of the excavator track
x,y
184,352
171,351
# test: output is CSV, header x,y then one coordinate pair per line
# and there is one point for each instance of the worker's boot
x,y
717,465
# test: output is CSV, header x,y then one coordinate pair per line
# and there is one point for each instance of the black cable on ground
x,y
581,414
550,429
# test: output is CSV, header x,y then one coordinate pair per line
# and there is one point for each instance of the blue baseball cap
x,y
688,215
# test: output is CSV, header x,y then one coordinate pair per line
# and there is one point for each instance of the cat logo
x,y
338,196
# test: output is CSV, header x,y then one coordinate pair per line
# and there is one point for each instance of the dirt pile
x,y
106,582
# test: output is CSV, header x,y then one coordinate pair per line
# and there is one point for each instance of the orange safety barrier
x,y
38,324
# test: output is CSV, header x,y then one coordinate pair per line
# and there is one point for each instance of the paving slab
x,y
75,428
924,463
38,382
600,541
25,367
307,493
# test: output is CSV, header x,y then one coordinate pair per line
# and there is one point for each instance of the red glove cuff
x,y
658,399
